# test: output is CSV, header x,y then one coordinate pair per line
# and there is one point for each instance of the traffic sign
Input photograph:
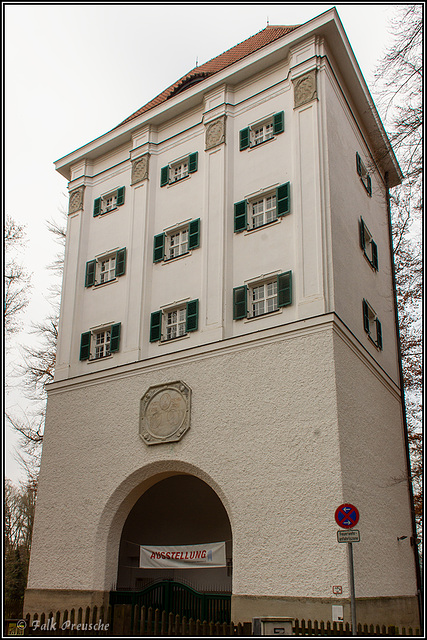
x,y
353,535
346,516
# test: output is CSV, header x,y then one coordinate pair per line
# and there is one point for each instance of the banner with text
x,y
193,556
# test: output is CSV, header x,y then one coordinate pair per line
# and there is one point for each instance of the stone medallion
x,y
305,88
165,413
215,133
76,200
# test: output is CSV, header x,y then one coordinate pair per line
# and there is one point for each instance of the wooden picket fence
x,y
123,620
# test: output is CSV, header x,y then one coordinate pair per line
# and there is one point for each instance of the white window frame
x,y
176,241
173,328
178,170
261,132
111,258
268,215
109,201
266,292
100,347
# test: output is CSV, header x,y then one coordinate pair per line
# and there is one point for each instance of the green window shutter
x,y
379,335
358,165
164,176
369,185
362,233
194,234
97,207
90,273
159,247
240,209
193,162
365,316
283,199
120,196
279,122
374,255
85,346
156,326
115,337
284,289
120,262
244,138
192,321
240,308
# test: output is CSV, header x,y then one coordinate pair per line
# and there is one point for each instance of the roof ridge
x,y
225,59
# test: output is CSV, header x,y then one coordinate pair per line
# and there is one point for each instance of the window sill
x,y
163,342
262,226
171,184
252,147
90,360
182,255
263,315
99,285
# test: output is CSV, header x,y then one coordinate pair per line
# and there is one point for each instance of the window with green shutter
x,y
372,324
179,169
115,337
240,219
262,131
121,262
368,246
240,308
192,315
90,273
159,247
109,201
177,241
283,199
155,326
85,345
194,234
284,289
363,174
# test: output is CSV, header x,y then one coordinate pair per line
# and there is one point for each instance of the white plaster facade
x,y
293,412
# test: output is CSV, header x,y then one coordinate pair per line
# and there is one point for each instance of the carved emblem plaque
x,y
305,88
76,200
139,169
215,133
165,413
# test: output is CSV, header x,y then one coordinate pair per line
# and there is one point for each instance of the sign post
x,y
347,516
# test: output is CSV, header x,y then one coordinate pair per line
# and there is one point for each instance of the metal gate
x,y
177,598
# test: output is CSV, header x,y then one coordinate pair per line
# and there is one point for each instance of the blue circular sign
x,y
346,516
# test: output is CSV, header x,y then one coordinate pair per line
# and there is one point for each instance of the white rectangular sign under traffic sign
x,y
350,535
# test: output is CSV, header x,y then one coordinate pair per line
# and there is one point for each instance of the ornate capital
x,y
215,133
165,413
305,88
76,200
139,169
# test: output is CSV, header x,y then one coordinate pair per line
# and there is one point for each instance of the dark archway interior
x,y
179,510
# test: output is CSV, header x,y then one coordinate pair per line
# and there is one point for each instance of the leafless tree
x,y
16,279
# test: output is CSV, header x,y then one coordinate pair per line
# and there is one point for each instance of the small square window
x,y
368,245
261,132
364,175
174,322
109,201
178,171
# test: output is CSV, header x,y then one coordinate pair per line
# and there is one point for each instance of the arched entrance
x,y
178,510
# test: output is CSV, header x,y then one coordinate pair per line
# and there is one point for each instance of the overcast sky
x,y
75,71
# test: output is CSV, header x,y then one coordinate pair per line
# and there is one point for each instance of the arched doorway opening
x,y
178,510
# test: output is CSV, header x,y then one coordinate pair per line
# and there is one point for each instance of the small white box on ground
x,y
272,626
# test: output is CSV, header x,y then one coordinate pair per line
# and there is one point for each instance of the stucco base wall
x,y
46,600
400,611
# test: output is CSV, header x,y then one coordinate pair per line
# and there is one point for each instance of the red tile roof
x,y
236,53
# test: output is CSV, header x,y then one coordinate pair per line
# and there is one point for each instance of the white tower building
x,y
228,366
